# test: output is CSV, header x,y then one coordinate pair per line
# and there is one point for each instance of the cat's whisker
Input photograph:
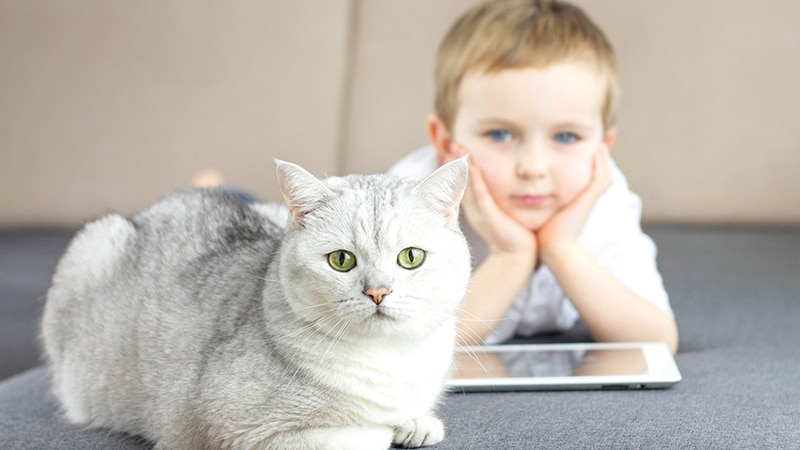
x,y
305,330
336,329
473,318
470,339
473,355
292,312
345,325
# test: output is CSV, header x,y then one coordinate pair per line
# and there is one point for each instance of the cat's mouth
x,y
380,314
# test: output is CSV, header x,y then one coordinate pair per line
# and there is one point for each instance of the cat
x,y
208,322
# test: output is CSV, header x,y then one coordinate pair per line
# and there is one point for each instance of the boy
x,y
529,90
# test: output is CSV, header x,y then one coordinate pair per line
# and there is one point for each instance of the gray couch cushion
x,y
30,419
736,294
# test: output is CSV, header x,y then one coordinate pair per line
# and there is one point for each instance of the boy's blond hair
x,y
513,34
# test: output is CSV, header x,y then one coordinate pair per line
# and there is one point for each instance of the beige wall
x,y
106,105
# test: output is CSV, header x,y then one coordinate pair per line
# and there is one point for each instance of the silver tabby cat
x,y
206,322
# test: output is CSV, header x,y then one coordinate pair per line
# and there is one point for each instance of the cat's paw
x,y
419,432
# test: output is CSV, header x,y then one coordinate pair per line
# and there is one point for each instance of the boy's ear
x,y
441,139
610,137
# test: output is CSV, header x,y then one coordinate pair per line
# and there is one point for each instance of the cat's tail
x,y
90,260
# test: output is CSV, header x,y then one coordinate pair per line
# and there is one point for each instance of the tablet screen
x,y
554,363
563,366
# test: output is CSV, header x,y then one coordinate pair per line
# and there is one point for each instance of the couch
x,y
736,296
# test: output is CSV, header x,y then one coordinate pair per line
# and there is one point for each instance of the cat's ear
x,y
302,191
445,187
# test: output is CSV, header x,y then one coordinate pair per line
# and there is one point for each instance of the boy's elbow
x,y
671,336
673,346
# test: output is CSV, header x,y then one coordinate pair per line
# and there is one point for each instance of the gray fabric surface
x,y
736,295
27,259
30,419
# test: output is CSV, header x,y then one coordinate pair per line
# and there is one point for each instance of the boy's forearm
x,y
610,310
492,289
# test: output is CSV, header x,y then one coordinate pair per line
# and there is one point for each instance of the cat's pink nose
x,y
377,294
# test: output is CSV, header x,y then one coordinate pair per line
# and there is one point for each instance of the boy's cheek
x,y
494,172
576,179
491,162
494,175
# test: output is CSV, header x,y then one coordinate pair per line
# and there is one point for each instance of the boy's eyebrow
x,y
583,125
495,121
573,124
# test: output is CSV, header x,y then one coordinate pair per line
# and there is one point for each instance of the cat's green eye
x,y
411,258
341,260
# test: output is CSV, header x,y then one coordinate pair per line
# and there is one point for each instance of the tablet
x,y
526,367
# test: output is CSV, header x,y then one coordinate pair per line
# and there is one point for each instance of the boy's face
x,y
533,133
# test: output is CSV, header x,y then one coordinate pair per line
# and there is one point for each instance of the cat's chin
x,y
382,325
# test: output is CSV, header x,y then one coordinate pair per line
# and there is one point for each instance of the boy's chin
x,y
533,221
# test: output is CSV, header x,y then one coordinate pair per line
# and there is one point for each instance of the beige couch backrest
x,y
104,106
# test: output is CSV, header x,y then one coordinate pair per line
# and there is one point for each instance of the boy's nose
x,y
532,163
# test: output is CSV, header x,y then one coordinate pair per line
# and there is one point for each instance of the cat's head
x,y
374,255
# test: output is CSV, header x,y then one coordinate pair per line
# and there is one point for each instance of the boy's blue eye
x,y
499,135
566,138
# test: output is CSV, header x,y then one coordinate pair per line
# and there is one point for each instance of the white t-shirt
x,y
612,235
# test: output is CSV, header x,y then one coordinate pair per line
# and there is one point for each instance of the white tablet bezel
x,y
662,372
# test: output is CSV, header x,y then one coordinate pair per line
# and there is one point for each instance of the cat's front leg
x,y
419,432
350,438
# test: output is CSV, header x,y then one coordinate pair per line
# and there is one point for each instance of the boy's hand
x,y
502,233
566,225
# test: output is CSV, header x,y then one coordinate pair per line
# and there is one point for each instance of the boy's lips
x,y
529,199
